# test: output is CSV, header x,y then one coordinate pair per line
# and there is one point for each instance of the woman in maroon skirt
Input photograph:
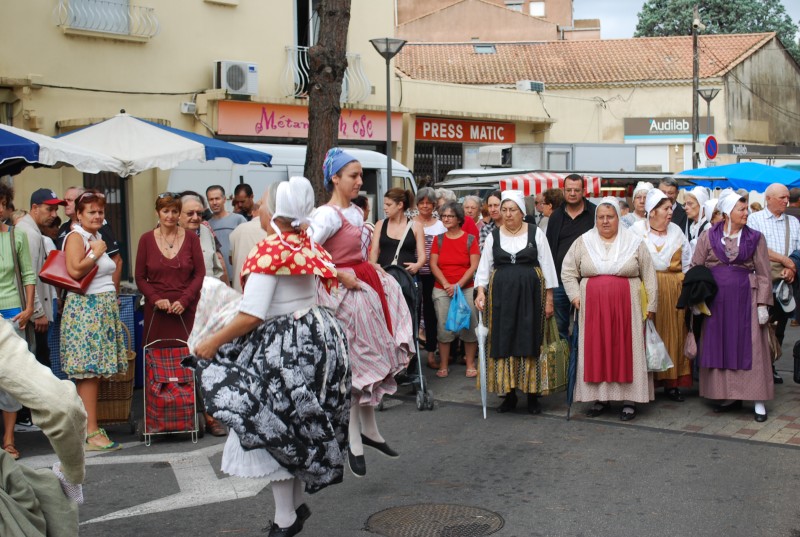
x,y
603,273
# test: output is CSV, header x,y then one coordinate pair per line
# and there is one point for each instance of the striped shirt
x,y
774,230
9,293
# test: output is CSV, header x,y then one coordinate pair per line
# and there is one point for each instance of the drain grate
x,y
434,520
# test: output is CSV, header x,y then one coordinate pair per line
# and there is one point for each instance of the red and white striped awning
x,y
537,182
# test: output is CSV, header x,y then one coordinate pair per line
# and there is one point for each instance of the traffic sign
x,y
711,148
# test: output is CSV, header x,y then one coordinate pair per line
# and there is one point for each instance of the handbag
x,y
459,315
54,272
658,359
553,361
690,346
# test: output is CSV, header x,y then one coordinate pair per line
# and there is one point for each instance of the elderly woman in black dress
x,y
515,279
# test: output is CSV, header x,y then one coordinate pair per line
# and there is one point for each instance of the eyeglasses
x,y
173,195
193,213
447,216
89,195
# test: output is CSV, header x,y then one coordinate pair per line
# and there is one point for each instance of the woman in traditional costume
x,y
283,386
694,204
734,351
368,303
639,197
603,273
515,282
671,254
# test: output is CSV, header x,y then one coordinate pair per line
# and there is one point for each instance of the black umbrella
x,y
572,370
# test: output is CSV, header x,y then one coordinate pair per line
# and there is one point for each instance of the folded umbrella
x,y
572,370
482,331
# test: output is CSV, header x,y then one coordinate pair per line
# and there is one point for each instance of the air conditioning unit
x,y
494,156
237,78
530,85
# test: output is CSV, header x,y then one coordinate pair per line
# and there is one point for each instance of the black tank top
x,y
388,246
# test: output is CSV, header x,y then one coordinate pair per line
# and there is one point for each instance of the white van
x,y
287,161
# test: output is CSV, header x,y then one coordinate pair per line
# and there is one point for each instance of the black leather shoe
x,y
676,395
509,403
533,405
383,447
629,415
597,409
303,513
736,405
777,378
357,464
294,529
761,418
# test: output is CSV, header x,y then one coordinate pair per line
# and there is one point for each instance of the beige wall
x,y
475,19
556,11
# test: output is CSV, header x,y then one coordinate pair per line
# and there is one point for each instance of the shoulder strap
x,y
470,240
786,240
17,270
402,239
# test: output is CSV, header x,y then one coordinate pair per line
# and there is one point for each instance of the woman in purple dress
x,y
734,355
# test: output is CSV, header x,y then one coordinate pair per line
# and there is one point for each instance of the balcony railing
x,y
115,17
295,78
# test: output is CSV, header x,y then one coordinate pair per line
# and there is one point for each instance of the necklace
x,y
515,231
171,245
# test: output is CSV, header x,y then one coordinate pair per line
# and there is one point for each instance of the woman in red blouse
x,y
454,260
169,273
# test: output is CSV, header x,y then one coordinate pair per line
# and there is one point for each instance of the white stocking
x,y
368,424
760,407
283,491
354,431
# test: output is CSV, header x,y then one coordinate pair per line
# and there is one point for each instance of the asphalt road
x,y
541,474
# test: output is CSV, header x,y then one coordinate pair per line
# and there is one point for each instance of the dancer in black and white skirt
x,y
279,377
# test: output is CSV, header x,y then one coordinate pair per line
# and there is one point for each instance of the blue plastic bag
x,y
459,314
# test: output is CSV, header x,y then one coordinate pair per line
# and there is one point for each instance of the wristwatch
x,y
92,256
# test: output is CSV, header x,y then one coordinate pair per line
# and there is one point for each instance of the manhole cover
x,y
434,520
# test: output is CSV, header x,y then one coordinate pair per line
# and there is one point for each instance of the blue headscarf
x,y
335,160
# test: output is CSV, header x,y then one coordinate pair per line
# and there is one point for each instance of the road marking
x,y
199,484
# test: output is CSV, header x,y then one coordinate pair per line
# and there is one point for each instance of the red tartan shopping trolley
x,y
170,402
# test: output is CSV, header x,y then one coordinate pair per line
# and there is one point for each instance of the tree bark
x,y
327,64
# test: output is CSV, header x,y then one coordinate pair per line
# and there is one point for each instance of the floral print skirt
x,y
92,341
285,387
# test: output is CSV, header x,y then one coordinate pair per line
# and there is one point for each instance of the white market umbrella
x,y
143,145
20,148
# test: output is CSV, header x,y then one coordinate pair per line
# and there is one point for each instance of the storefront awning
x,y
537,182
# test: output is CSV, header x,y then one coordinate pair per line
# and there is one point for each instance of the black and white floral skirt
x,y
285,387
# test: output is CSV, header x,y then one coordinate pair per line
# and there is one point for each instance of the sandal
x,y
11,450
111,446
442,373
472,373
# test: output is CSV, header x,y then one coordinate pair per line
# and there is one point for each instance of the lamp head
x,y
387,47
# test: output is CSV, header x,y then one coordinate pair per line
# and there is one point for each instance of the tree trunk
x,y
327,64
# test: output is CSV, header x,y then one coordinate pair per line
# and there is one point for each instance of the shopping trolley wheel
x,y
201,425
429,400
140,430
420,400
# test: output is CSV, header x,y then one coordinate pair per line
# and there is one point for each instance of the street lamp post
x,y
388,47
708,95
696,26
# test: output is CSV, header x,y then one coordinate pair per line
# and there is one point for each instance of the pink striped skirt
x,y
376,356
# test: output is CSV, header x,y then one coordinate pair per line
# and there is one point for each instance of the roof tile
x,y
557,63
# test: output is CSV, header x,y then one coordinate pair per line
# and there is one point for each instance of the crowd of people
x,y
322,331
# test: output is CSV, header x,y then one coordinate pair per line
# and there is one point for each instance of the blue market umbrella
x,y
143,145
572,369
20,148
747,175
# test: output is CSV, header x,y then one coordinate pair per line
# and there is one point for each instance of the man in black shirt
x,y
112,244
568,222
669,186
